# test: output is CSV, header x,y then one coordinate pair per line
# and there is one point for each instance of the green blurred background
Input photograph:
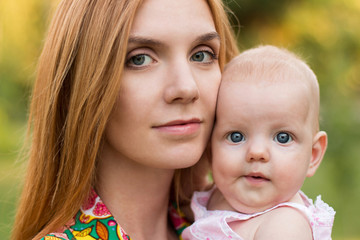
x,y
325,32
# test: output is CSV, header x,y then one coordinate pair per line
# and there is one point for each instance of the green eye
x,y
139,60
198,57
203,57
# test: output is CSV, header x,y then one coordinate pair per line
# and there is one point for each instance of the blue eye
x,y
283,138
203,56
235,137
139,60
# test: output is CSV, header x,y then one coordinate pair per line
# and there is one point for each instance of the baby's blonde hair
x,y
269,64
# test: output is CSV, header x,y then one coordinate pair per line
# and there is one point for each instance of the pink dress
x,y
213,225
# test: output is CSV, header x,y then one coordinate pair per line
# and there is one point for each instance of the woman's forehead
x,y
172,17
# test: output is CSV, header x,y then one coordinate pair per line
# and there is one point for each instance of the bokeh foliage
x,y
324,32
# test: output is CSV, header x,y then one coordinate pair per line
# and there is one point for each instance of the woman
x,y
125,95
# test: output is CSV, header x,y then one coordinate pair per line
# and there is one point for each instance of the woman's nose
x,y
258,151
181,84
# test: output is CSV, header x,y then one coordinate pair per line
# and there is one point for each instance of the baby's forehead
x,y
272,68
269,65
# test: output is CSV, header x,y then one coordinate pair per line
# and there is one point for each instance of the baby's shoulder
x,y
284,223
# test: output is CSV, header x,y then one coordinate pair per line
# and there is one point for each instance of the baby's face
x,y
262,142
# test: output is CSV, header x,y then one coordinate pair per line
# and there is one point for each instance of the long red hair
x,y
78,80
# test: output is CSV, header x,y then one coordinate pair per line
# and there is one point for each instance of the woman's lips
x,y
180,127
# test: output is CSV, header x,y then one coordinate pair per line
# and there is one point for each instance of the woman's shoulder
x,y
92,221
95,221
89,226
56,236
64,233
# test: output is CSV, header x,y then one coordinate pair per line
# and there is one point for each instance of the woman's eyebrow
x,y
145,41
208,37
141,40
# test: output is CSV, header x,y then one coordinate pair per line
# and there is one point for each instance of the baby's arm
x,y
284,223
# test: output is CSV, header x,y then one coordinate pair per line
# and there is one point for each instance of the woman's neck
x,y
137,196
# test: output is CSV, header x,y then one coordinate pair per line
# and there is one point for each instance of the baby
x,y
265,142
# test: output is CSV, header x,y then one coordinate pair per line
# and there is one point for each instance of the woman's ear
x,y
318,151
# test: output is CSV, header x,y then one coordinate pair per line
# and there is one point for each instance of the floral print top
x,y
94,221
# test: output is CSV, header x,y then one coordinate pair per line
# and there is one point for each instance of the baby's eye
x,y
139,60
235,137
203,57
283,138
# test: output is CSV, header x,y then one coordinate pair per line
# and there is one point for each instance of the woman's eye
x,y
139,60
235,137
203,56
283,138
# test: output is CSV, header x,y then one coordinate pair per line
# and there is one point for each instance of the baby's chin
x,y
253,207
219,202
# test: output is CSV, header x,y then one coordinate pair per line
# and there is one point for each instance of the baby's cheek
x,y
226,167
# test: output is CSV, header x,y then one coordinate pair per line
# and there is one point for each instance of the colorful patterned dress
x,y
94,221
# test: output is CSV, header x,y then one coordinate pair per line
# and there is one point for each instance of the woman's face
x,y
164,113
